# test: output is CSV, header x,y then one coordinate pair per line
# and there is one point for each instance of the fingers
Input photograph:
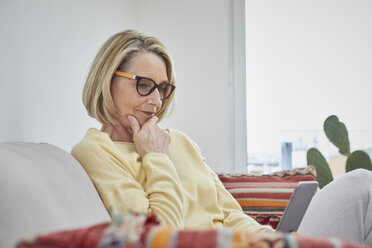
x,y
134,124
149,137
151,122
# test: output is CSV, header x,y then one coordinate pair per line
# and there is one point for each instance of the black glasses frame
x,y
139,78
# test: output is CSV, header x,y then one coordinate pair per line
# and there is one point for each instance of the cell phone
x,y
297,206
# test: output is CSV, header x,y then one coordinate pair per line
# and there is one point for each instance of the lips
x,y
148,114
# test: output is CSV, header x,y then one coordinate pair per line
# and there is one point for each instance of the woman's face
x,y
124,93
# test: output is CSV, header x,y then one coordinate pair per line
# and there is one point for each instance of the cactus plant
x,y
337,133
358,159
324,174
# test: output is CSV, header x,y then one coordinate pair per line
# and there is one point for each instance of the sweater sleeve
x,y
234,217
164,189
119,189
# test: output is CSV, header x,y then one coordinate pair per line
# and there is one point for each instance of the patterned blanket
x,y
139,230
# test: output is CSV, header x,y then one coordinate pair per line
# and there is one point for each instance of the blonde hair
x,y
115,54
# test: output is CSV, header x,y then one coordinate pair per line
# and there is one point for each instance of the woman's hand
x,y
149,138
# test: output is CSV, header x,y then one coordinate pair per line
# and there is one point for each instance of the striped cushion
x,y
265,197
144,231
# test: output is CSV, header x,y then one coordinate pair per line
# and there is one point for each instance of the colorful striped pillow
x,y
144,231
264,197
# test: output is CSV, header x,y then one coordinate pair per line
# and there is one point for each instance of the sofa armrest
x,y
43,188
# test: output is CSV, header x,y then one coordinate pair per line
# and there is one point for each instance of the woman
x,y
134,164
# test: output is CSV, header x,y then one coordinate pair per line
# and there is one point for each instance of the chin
x,y
142,120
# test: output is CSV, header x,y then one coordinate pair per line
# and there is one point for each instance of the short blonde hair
x,y
115,54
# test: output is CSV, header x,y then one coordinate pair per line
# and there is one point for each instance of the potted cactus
x,y
337,133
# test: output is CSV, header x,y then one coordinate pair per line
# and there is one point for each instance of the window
x,y
306,60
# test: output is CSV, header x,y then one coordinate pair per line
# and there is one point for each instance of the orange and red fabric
x,y
154,235
265,197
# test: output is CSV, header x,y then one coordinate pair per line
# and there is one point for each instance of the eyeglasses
x,y
145,86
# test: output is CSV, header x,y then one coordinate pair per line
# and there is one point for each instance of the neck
x,y
118,132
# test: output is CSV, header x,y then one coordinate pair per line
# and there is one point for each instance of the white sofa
x,y
43,188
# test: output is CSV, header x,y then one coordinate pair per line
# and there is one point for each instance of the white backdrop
x,y
46,48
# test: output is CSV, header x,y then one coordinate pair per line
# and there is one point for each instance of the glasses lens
x,y
164,90
144,86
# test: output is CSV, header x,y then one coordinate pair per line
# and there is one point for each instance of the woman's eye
x,y
142,86
163,88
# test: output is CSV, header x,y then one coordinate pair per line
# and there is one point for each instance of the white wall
x,y
47,46
197,33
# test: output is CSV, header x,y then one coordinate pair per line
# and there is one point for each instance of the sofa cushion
x,y
43,188
264,197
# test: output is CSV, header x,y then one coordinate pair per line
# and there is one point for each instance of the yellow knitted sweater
x,y
180,188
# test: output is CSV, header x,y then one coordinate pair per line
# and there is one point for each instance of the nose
x,y
154,99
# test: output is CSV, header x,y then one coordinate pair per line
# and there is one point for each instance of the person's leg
x,y
342,209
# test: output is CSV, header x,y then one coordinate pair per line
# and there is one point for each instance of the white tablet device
x,y
297,206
